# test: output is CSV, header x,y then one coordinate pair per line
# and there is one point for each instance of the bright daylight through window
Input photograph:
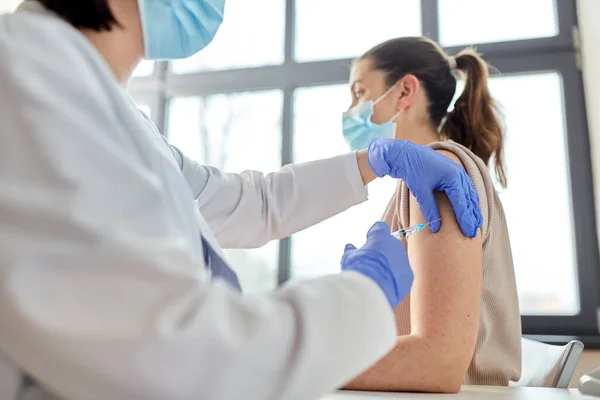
x,y
271,88
269,93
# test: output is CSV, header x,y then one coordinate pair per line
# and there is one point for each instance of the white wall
x,y
588,12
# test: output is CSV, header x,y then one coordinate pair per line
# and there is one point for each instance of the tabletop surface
x,y
470,393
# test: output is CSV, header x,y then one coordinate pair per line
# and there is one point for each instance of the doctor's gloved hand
x,y
424,170
384,260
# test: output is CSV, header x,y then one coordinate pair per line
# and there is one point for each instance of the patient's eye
x,y
358,93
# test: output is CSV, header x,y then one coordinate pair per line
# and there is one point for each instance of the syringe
x,y
411,230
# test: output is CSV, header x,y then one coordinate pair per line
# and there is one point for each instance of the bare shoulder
x,y
451,156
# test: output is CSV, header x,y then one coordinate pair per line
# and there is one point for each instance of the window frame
x,y
559,53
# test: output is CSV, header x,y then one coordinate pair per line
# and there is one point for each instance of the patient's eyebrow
x,y
354,84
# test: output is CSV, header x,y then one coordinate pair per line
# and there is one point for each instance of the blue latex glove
x,y
424,170
383,259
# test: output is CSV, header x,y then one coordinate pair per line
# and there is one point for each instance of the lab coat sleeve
x,y
99,296
249,209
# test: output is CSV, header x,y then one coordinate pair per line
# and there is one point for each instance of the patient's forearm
x,y
366,173
414,366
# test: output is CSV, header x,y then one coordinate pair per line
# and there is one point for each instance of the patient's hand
x,y
424,171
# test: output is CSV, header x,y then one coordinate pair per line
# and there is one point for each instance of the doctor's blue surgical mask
x,y
358,129
175,29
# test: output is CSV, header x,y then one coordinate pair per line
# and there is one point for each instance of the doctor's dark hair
x,y
474,122
88,14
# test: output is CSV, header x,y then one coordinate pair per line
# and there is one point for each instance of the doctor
x,y
113,284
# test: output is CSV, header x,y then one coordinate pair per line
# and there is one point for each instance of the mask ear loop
x,y
396,115
383,96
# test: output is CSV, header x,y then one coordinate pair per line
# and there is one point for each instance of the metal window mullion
x,y
566,12
161,115
290,31
260,78
518,47
430,19
285,245
287,148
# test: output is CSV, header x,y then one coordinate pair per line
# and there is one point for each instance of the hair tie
x,y
453,68
452,63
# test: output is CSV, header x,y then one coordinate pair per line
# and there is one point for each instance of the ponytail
x,y
474,120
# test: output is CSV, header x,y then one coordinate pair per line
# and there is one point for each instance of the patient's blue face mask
x,y
358,129
176,29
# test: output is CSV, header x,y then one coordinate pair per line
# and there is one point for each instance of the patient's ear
x,y
408,90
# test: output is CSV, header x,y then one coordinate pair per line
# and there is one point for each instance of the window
x,y
346,28
322,107
234,132
527,201
252,35
273,85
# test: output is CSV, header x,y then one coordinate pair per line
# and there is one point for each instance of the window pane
x,y
538,195
476,21
144,68
252,35
234,132
322,107
9,5
347,28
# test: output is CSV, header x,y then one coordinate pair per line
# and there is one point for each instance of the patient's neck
x,y
419,134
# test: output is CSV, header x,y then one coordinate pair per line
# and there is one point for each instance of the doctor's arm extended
x,y
99,295
279,204
444,311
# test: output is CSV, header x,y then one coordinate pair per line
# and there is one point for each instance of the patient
x,y
461,322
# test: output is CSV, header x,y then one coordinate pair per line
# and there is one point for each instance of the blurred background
x,y
271,88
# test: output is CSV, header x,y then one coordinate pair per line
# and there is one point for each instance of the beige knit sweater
x,y
497,356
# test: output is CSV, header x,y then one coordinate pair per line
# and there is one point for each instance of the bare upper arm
x,y
445,298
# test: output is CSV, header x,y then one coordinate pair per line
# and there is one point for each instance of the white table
x,y
470,393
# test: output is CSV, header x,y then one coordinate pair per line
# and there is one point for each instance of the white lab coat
x,y
103,289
